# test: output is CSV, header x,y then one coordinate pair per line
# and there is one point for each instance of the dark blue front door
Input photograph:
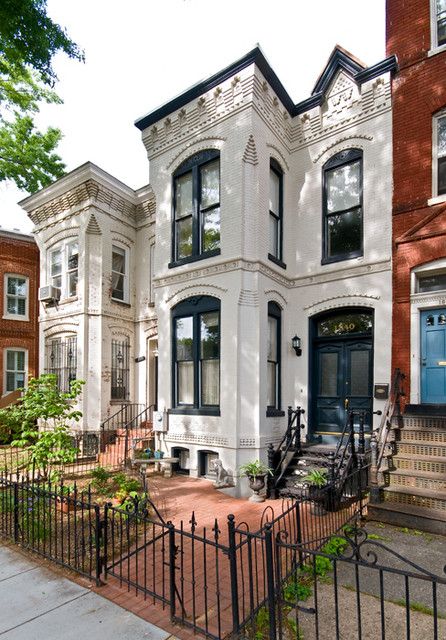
x,y
433,356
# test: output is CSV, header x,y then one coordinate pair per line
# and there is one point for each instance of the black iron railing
x,y
279,458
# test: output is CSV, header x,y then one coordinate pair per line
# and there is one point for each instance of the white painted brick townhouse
x,y
264,220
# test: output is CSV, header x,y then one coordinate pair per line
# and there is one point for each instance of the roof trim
x,y
339,59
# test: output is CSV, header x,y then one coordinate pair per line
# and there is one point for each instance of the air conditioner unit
x,y
49,294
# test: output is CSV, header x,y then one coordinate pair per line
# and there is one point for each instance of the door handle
x,y
346,403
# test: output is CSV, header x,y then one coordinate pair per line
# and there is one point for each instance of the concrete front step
x,y
419,479
405,515
416,497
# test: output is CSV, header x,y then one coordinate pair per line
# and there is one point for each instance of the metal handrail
x,y
116,417
280,468
392,404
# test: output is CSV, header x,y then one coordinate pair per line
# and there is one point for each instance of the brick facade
x,y
19,256
419,218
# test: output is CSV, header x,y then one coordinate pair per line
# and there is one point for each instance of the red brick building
x,y
19,281
416,34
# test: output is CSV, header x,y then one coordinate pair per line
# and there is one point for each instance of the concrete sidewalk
x,y
39,604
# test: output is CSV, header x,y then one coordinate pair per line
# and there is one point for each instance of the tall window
x,y
16,297
275,211
120,274
196,205
273,365
64,268
438,23
439,154
61,360
15,369
196,355
342,206
120,370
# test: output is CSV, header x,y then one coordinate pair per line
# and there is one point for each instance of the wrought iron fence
x,y
58,522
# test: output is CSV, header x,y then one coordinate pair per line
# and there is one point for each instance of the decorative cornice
x,y
81,194
342,141
196,290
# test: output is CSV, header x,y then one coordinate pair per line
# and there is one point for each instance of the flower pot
x,y
149,453
257,483
159,455
65,505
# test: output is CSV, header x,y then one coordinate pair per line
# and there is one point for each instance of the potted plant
x,y
159,454
317,489
256,473
148,453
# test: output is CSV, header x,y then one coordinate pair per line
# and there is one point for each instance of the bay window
x,y
196,355
273,392
196,207
342,207
64,268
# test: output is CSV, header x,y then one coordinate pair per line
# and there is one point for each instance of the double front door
x,y
342,380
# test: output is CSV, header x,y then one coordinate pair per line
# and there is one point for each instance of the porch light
x,y
296,345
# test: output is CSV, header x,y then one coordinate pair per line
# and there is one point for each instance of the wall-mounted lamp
x,y
296,345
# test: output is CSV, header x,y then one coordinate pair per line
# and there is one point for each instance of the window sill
x,y
435,50
67,300
190,411
115,401
276,261
121,302
344,258
437,200
189,259
274,413
14,317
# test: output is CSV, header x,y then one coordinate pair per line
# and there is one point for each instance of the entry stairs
x,y
413,471
311,456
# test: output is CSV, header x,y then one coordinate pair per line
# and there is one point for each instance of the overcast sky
x,y
141,53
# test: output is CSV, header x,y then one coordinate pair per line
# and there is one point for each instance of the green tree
x,y
50,447
29,39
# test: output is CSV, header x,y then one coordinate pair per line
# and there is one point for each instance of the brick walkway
x,y
202,577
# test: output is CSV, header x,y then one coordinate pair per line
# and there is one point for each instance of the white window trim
x,y
63,248
126,272
433,21
436,199
14,316
5,360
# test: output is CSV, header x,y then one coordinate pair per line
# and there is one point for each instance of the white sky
x,y
141,53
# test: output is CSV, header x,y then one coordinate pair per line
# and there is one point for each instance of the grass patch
x,y
376,536
419,607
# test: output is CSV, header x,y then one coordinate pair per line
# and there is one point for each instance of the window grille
x,y
120,370
61,360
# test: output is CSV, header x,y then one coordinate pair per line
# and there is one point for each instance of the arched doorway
x,y
341,370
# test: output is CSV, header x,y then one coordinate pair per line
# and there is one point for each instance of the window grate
x,y
120,370
61,360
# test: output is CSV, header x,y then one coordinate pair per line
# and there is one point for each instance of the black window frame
x,y
275,167
194,307
194,164
341,159
274,311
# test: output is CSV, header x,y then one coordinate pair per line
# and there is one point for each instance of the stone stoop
x,y
313,456
414,494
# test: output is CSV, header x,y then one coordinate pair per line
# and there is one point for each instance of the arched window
x,y
196,356
196,208
342,206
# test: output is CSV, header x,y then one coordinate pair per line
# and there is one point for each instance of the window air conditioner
x,y
49,294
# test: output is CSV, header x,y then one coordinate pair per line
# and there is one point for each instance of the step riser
x,y
429,437
419,465
411,422
422,450
396,480
416,501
